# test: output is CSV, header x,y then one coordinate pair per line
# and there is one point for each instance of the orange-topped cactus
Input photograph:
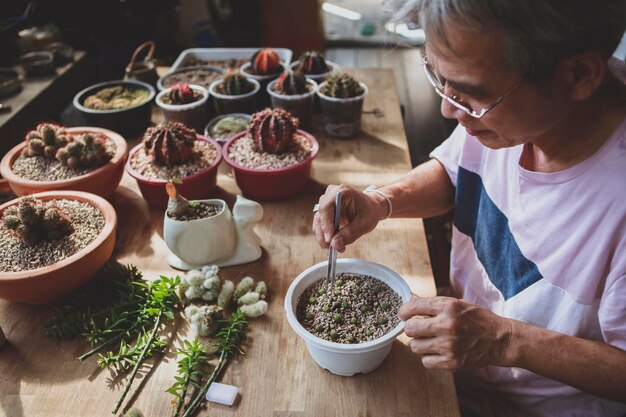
x,y
272,130
169,143
265,62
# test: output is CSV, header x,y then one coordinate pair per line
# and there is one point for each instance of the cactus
x,y
234,84
87,150
169,143
265,62
342,86
176,203
292,83
32,221
45,140
181,94
313,62
272,130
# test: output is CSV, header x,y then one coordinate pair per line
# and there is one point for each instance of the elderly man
x,y
536,173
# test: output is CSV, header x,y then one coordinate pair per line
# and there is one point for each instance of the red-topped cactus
x,y
170,143
272,130
45,140
182,94
32,221
292,83
265,62
313,62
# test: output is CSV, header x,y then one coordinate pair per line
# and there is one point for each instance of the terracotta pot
x,y
272,184
101,181
52,282
195,187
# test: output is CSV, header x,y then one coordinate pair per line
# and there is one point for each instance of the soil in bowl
x,y
232,63
116,98
200,76
196,210
357,309
227,127
16,256
244,153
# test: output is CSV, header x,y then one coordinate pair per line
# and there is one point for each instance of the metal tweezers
x,y
332,252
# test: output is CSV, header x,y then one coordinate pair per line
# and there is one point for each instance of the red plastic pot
x,y
272,184
195,187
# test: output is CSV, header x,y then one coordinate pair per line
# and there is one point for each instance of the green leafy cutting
x,y
191,370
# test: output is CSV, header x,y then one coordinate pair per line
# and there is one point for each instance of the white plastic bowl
x,y
340,358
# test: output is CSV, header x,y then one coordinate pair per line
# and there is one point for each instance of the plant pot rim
x,y
309,337
208,201
342,100
121,150
183,107
248,74
218,157
257,87
314,151
100,86
110,223
209,68
293,97
333,67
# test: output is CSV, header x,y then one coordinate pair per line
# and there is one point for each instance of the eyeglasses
x,y
455,100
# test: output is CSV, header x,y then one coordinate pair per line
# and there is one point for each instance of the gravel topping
x,y
242,151
15,256
228,63
197,210
203,77
204,155
359,308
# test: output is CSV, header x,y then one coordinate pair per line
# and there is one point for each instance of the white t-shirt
x,y
545,248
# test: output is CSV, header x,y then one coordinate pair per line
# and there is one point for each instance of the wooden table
x,y
276,377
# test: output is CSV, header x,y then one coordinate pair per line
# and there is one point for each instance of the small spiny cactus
x,y
265,62
87,150
292,83
169,143
342,86
32,221
234,84
45,140
313,62
272,130
181,94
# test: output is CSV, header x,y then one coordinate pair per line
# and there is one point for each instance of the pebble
x,y
244,153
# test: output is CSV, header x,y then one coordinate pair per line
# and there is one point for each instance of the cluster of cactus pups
x,y
313,62
182,94
265,62
53,142
33,221
170,143
234,84
341,85
272,130
291,83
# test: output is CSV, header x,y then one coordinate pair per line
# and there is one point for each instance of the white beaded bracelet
x,y
374,189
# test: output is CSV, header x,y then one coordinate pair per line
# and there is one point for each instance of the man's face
x,y
474,70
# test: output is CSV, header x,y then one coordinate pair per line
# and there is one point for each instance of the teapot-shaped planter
x,y
222,239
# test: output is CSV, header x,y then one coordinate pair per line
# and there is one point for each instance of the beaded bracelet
x,y
374,189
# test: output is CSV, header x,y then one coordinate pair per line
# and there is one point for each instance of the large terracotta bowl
x,y
194,187
101,181
52,282
272,184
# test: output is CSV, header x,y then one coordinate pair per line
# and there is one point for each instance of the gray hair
x,y
536,34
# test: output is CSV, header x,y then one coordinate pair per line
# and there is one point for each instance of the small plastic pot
x,y
192,114
264,80
299,105
272,184
242,103
194,187
318,78
341,117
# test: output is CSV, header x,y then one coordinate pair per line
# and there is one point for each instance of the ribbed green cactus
x,y
182,94
169,143
341,86
272,130
45,140
313,62
291,83
32,221
87,150
234,84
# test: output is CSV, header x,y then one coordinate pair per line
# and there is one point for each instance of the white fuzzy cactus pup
x,y
202,284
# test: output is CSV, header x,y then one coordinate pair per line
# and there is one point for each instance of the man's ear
x,y
583,74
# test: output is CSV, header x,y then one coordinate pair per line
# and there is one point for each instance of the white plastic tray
x,y
225,54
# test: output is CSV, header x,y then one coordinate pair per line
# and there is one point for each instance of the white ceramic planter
x,y
224,239
339,358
